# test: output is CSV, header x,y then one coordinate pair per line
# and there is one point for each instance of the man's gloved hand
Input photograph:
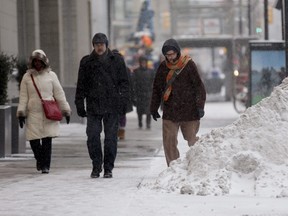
x,y
21,120
67,119
82,113
155,115
201,113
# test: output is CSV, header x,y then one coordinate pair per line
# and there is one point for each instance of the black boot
x,y
107,174
37,150
38,165
140,125
45,170
46,154
95,172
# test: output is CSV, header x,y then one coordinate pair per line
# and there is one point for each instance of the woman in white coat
x,y
39,129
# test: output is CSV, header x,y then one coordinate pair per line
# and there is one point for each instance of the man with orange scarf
x,y
178,86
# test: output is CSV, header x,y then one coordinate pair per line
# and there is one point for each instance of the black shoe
x,y
95,173
45,170
107,174
38,165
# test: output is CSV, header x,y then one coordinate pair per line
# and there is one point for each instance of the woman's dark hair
x,y
33,64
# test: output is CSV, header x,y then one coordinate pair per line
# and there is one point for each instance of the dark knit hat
x,y
168,48
100,38
170,44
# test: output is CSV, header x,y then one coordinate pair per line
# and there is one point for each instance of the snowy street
x,y
69,190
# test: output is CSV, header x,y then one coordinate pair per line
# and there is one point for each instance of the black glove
x,y
201,113
82,113
21,120
67,119
155,116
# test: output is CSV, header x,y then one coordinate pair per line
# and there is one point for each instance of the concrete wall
x,y
5,131
99,17
75,38
28,27
49,32
61,28
8,27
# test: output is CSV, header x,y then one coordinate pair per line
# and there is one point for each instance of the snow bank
x,y
248,157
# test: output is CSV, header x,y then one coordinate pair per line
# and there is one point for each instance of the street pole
x,y
266,31
249,18
283,21
240,17
109,19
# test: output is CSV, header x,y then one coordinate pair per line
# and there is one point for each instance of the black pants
x,y
93,131
148,120
42,151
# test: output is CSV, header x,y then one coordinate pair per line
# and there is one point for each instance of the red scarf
x,y
177,66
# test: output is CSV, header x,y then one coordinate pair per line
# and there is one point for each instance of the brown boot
x,y
121,134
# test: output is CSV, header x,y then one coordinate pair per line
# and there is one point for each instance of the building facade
x,y
60,27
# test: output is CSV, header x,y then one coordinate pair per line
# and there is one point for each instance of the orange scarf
x,y
175,68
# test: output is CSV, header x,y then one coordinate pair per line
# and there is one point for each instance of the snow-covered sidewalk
x,y
137,187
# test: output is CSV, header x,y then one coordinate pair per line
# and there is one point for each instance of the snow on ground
x,y
237,170
246,158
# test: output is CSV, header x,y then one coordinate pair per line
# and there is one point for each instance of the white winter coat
x,y
37,125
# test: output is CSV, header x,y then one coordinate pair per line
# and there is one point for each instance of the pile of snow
x,y
248,157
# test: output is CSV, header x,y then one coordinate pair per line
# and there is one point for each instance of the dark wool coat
x,y
103,84
143,84
188,94
130,104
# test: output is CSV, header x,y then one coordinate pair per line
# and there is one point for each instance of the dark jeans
x,y
93,131
42,151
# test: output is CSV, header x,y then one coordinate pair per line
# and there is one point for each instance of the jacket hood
x,y
171,44
38,54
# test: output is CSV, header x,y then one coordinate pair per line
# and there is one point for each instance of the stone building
x,y
60,27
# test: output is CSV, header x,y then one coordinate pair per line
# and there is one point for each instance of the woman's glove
x,y
67,119
21,120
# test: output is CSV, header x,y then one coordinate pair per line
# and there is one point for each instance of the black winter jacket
x,y
103,84
143,85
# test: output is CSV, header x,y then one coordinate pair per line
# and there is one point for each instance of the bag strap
x,y
36,87
169,83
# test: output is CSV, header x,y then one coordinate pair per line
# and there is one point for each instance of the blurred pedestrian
x,y
129,107
142,80
178,84
39,129
103,84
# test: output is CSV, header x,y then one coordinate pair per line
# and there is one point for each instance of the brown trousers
x,y
170,130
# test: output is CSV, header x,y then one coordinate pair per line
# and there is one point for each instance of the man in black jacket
x,y
103,84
